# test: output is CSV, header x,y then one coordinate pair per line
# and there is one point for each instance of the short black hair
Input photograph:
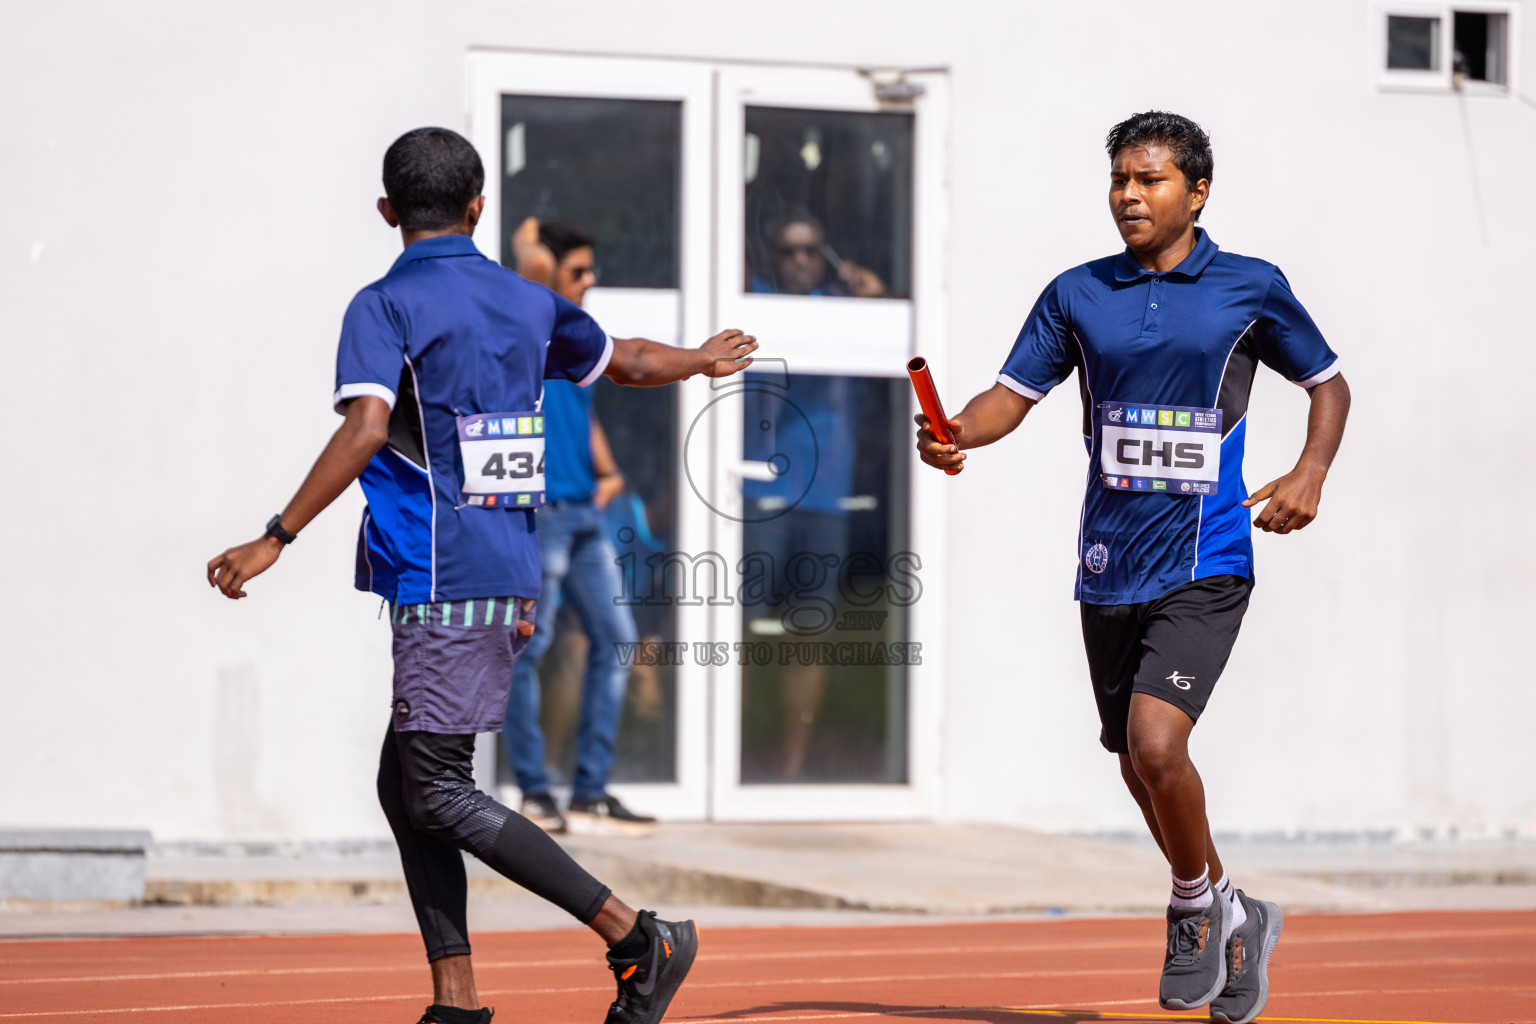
x,y
562,238
430,176
796,213
1186,140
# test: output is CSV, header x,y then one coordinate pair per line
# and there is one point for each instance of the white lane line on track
x,y
692,987
416,997
1074,945
260,972
1065,1007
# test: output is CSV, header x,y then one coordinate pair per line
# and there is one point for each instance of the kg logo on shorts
x,y
1096,558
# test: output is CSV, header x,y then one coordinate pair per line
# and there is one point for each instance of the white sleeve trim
x,y
1317,378
347,392
1019,389
602,364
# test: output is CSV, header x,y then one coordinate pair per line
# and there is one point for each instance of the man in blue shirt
x,y
1166,338
439,371
579,566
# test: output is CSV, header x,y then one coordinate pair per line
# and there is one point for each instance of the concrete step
x,y
71,867
890,868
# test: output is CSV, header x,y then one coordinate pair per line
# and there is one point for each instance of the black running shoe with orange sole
x,y
648,982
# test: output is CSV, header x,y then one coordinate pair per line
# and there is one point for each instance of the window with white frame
x,y
1413,43
1433,46
1480,46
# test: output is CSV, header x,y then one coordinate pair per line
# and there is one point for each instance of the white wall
x,y
190,208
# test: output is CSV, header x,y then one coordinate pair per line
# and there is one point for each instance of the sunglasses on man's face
x,y
799,250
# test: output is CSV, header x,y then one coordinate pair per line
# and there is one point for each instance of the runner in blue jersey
x,y
439,374
1166,338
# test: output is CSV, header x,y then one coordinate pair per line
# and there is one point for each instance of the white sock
x,y
1195,893
1224,888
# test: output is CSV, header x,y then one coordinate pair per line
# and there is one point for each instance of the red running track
x,y
1477,968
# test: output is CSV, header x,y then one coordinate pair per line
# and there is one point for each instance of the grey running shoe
x,y
1195,969
1248,953
541,809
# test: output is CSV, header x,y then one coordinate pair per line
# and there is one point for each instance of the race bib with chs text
x,y
1167,449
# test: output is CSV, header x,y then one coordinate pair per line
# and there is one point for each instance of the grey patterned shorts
x,y
453,662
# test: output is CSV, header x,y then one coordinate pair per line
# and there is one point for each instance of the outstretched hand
x,y
1291,501
237,566
729,352
862,282
937,453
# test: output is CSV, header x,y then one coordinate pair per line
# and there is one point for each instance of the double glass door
x,y
766,538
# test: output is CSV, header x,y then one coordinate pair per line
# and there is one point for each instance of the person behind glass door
x,y
807,433
578,565
800,263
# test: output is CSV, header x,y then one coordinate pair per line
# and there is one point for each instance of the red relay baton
x,y
928,399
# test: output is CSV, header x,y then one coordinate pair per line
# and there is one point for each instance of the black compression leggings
x,y
427,790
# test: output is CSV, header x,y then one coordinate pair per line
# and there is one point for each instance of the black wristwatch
x,y
275,529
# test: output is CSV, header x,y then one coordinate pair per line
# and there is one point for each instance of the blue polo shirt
x,y
568,472
449,333
1192,337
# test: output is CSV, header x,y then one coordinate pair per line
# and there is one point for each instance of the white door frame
x,y
844,336
680,316
813,338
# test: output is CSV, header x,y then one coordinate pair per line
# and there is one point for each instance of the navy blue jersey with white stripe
x,y
1192,337
449,333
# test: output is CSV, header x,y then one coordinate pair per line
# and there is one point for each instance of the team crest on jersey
x,y
1096,558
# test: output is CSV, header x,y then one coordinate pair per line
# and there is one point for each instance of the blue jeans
x,y
578,565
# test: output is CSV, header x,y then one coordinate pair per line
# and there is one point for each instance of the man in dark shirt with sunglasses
x,y
799,250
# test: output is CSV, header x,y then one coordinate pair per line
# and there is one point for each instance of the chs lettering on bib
x,y
503,456
1169,449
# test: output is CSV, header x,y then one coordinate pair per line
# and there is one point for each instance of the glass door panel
x,y
642,428
828,206
619,148
829,235
612,167
824,690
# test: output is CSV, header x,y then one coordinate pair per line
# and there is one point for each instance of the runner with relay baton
x,y
1166,338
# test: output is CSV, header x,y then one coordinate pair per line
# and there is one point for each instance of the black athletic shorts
x,y
1173,647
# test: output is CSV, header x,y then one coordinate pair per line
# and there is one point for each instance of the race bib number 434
x,y
503,456
1162,448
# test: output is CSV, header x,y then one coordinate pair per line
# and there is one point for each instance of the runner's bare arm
x,y
1293,499
356,441
648,363
990,416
